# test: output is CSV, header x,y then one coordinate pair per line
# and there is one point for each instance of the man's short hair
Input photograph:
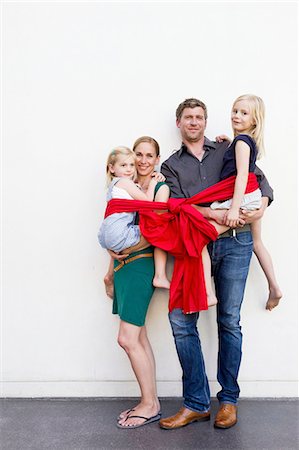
x,y
190,103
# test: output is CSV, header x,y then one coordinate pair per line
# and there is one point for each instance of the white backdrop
x,y
80,78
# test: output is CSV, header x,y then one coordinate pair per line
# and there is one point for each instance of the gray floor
x,y
73,424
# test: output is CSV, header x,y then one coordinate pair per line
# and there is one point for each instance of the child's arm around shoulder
x,y
134,191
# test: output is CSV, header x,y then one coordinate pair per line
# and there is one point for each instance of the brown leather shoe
x,y
183,418
226,416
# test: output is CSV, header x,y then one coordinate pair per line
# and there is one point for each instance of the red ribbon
x,y
183,232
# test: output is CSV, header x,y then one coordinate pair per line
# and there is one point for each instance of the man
x,y
193,168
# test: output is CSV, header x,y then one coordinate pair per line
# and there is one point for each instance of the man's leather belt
x,y
234,231
133,258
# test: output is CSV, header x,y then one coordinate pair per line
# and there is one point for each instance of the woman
x,y
131,287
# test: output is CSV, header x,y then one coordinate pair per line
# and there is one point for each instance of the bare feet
x,y
212,299
109,287
161,282
275,295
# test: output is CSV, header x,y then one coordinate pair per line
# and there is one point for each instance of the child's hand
x,y
153,181
158,176
222,138
232,218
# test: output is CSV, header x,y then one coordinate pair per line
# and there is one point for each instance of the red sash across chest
x,y
182,231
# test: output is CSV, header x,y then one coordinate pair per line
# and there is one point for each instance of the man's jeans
x,y
230,261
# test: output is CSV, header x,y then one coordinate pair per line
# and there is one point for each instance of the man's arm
x,y
172,181
251,216
219,215
265,187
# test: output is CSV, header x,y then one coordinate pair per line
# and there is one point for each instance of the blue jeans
x,y
230,262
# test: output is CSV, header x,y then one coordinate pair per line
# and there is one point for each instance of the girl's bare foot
x,y
212,299
109,287
275,295
161,282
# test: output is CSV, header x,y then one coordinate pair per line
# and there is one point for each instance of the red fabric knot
x,y
174,205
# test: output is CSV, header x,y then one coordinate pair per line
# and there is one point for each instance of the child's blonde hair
x,y
257,109
112,159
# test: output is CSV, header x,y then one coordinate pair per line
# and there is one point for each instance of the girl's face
x,y
146,158
123,167
242,117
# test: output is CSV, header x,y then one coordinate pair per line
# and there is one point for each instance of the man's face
x,y
192,124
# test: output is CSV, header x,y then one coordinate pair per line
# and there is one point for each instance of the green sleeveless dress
x,y
133,286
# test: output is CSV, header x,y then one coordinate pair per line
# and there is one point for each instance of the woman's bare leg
x,y
160,279
148,349
265,261
132,342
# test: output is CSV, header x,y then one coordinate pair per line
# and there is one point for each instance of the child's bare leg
x,y
220,228
211,297
108,279
160,279
265,261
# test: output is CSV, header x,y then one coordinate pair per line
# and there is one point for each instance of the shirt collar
x,y
207,146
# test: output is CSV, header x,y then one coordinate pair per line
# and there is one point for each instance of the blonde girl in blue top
x,y
247,117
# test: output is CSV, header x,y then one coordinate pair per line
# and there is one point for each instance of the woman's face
x,y
146,158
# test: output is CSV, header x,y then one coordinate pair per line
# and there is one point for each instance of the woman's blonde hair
x,y
112,159
257,108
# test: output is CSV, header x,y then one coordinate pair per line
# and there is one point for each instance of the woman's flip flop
x,y
147,420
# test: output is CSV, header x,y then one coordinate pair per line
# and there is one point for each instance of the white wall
x,y
80,78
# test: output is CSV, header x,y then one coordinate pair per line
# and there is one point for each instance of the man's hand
x,y
211,214
251,216
220,216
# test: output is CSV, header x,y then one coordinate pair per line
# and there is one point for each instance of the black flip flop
x,y
147,421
